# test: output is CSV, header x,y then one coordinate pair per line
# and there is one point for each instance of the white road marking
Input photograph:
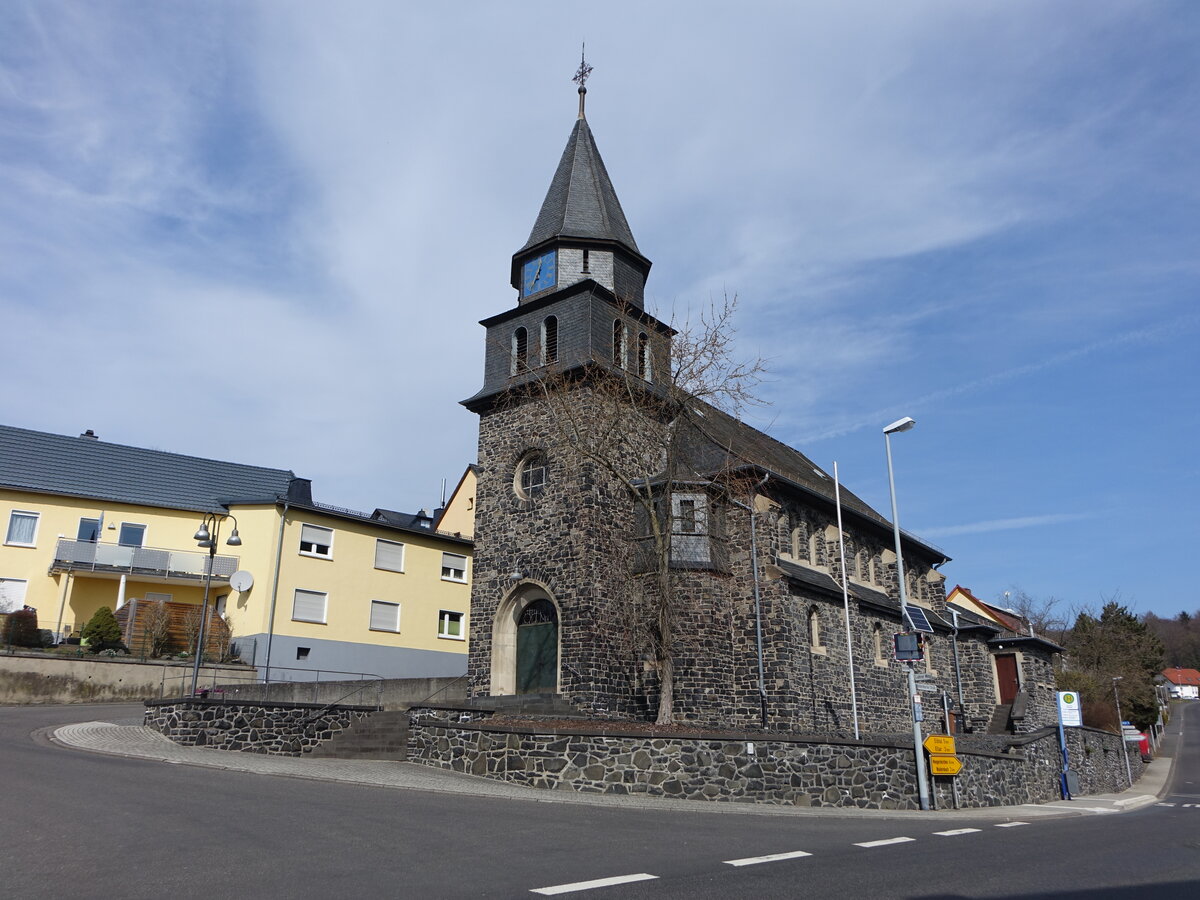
x,y
589,885
774,857
957,831
1010,824
899,840
1164,804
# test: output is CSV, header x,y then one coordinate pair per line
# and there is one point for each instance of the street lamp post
x,y
208,536
1121,728
899,425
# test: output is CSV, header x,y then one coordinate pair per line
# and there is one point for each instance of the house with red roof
x,y
1184,684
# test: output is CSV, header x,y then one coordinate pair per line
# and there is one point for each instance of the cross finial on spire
x,y
581,77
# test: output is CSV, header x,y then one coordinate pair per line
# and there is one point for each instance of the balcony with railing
x,y
117,559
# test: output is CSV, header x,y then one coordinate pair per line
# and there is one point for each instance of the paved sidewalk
x,y
142,742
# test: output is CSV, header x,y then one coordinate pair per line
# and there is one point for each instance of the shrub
x,y
21,628
102,631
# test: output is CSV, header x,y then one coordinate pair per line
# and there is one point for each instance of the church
x,y
762,635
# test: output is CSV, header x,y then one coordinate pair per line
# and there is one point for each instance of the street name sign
x,y
939,743
944,765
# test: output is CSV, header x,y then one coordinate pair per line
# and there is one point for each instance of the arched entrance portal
x,y
537,648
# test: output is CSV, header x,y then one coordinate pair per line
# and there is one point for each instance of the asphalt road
x,y
78,824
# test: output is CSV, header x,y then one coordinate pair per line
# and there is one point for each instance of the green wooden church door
x,y
537,648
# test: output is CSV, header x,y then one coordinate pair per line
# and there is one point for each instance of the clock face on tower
x,y
538,274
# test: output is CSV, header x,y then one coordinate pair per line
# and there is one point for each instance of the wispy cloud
x,y
872,419
1019,522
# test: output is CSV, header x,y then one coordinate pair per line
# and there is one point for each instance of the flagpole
x,y
837,495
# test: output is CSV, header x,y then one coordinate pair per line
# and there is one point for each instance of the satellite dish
x,y
241,581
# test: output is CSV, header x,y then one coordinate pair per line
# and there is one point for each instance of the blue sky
x,y
265,232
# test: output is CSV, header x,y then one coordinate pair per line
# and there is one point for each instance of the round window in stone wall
x,y
531,476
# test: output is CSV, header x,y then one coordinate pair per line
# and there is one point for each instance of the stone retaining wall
x,y
281,729
738,766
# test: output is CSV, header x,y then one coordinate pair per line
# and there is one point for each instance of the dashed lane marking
x,y
957,831
589,885
884,843
774,857
1164,804
1010,824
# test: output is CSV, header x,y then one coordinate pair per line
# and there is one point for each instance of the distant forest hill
x,y
1180,638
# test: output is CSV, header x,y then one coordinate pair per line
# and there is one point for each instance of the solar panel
x,y
917,617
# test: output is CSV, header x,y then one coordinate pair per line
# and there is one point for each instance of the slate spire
x,y
581,202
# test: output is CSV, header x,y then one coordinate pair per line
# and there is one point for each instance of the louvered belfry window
x,y
550,340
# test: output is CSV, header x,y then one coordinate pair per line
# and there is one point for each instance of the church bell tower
x,y
548,527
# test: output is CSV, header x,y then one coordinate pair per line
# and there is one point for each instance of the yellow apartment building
x,y
87,523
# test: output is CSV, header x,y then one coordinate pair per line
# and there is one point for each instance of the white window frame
x,y
403,555
371,616
444,619
17,601
316,554
27,513
445,577
324,606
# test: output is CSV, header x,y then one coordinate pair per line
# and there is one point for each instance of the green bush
x,y
102,631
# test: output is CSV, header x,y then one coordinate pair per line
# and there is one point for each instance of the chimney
x,y
90,435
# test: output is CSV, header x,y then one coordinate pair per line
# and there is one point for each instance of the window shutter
x,y
385,616
454,566
12,594
389,555
309,606
315,534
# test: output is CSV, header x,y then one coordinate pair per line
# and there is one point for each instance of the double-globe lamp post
x,y
208,537
899,425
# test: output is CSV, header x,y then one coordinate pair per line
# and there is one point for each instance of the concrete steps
x,y
1000,720
382,736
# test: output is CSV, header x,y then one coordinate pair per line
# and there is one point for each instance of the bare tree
x,y
192,618
156,627
1046,615
637,420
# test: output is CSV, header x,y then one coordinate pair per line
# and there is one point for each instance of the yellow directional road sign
x,y
944,765
939,743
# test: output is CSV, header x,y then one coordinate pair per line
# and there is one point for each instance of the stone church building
x,y
553,533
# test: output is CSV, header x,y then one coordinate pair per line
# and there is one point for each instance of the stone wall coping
x,y
130,660
204,702
608,731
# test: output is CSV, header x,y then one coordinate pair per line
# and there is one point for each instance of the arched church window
x,y
814,629
797,540
550,340
643,360
618,343
877,644
814,546
520,351
531,476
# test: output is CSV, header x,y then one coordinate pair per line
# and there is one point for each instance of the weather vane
x,y
581,77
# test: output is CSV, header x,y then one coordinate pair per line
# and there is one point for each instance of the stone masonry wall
x,y
872,774
281,729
